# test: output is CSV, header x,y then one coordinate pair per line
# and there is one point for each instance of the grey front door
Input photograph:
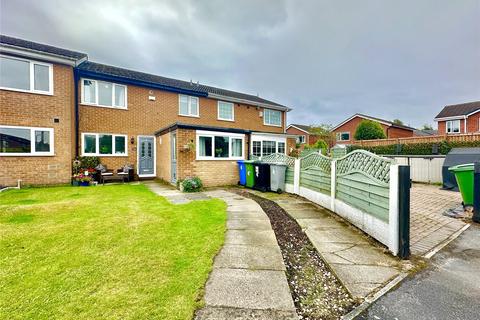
x,y
173,153
146,156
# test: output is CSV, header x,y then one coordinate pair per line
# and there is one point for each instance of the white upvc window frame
x,y
302,139
32,153
449,123
97,145
261,139
218,111
271,124
96,104
338,136
189,103
212,135
32,76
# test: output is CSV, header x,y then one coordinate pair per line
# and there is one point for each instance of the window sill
x,y
228,120
103,155
43,93
26,155
102,106
189,116
273,125
219,159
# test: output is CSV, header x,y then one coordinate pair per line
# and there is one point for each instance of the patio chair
x,y
127,173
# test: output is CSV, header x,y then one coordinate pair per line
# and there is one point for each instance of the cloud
x,y
327,59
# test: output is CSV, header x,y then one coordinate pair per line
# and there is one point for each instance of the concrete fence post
x,y
333,184
404,211
296,176
393,219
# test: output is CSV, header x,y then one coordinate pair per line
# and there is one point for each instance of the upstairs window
x,y
104,94
188,106
25,141
25,75
225,111
453,126
343,136
272,117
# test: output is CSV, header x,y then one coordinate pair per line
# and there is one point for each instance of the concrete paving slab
x,y
248,224
219,313
248,207
352,274
253,237
366,254
247,215
249,289
250,257
338,235
303,214
318,223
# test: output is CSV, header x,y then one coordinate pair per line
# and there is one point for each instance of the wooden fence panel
x,y
467,137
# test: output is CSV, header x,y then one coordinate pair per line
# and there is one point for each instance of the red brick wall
x,y
351,126
144,117
36,110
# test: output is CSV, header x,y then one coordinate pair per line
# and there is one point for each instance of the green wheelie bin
x,y
464,175
250,174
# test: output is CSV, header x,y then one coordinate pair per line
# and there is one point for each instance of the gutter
x,y
33,54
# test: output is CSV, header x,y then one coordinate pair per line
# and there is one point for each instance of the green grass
x,y
106,252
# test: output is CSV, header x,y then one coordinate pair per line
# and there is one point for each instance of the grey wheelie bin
x,y
277,177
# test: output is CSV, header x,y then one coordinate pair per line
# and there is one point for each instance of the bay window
x,y
104,144
272,117
26,141
453,126
188,106
26,75
104,94
219,145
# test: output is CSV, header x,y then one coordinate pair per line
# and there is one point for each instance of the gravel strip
x,y
316,292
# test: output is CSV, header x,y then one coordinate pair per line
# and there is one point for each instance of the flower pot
x,y
75,183
84,183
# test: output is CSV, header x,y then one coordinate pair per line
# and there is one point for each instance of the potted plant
x,y
81,179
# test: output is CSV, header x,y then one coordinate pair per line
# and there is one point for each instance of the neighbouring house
x,y
425,132
56,105
345,131
304,134
459,118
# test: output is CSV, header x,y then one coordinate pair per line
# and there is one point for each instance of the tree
x,y
324,132
398,121
426,126
318,145
368,130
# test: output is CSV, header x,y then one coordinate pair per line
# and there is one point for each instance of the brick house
x,y
303,133
459,118
344,132
166,128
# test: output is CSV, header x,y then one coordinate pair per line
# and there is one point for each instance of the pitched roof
x,y
147,78
39,47
423,133
301,127
386,122
456,110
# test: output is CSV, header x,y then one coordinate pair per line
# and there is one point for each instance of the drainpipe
x,y
77,113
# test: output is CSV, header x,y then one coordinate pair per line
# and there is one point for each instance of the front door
x,y
173,152
146,156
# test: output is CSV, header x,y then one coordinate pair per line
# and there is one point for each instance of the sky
x,y
325,59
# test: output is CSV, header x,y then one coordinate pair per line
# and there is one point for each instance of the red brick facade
x,y
351,126
39,110
473,125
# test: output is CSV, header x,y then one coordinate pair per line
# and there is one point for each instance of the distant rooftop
x,y
456,110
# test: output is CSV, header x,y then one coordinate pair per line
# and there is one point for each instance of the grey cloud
x,y
327,59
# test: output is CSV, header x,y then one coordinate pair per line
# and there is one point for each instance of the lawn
x,y
106,252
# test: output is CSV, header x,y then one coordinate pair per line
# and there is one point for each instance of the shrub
x,y
368,130
443,147
89,162
193,184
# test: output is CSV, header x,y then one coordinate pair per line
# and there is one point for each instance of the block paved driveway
x,y
428,226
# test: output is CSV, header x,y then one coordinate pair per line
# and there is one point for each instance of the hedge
x,y
442,147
